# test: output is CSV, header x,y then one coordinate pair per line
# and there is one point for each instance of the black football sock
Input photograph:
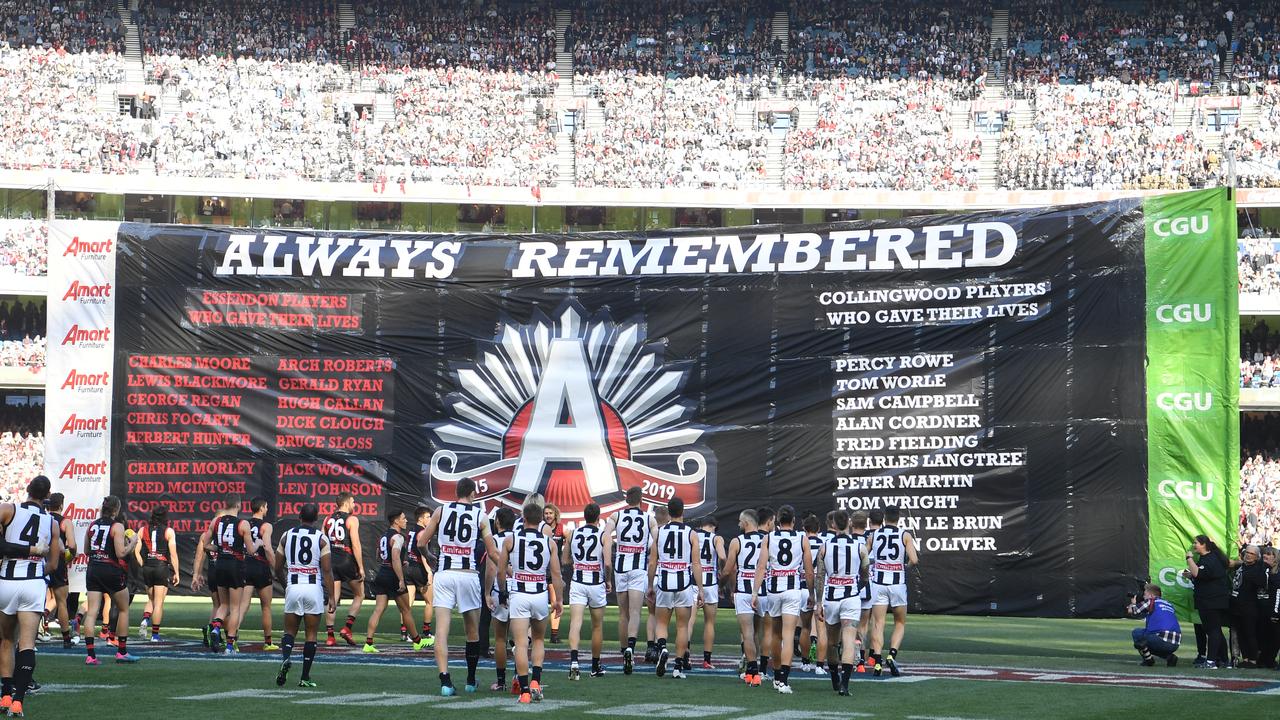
x,y
445,680
6,686
764,664
22,678
286,647
368,639
846,670
308,657
502,675
88,646
706,656
834,670
631,643
523,681
650,645
753,667
893,653
595,664
573,656
537,673
66,636
473,659
121,645
784,672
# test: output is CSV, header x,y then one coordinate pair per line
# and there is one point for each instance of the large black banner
x,y
984,372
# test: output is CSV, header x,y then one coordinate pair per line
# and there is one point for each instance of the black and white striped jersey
x,y
815,545
709,558
587,550
841,563
30,525
786,560
499,540
675,561
631,540
748,558
303,547
888,554
459,535
530,560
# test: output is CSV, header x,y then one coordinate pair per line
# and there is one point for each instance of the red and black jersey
x,y
335,528
102,550
411,554
154,545
255,532
226,535
385,545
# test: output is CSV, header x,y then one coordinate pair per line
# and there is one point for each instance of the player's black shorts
x,y
257,574
415,575
386,584
229,573
344,567
106,579
158,574
211,577
58,578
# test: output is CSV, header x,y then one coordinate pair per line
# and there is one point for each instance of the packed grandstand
x,y
804,95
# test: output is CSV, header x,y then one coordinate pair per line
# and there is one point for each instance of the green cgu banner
x,y
1193,424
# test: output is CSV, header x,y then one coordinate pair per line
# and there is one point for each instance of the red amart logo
x,y
76,424
78,247
75,469
84,292
76,380
575,407
75,512
77,335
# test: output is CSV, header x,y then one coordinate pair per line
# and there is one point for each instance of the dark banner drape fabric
x,y
982,371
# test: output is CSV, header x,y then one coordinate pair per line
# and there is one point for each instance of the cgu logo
x,y
1185,490
1170,577
1184,401
1172,227
1184,313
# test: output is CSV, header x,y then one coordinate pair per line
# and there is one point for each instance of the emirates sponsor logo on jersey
x,y
86,337
84,426
87,293
83,471
89,249
576,407
86,382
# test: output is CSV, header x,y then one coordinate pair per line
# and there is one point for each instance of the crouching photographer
x,y
1162,635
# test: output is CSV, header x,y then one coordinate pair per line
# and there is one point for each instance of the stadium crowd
x,y
1259,264
239,82
662,133
1085,40
673,37
1106,135
890,39
24,247
21,448
863,128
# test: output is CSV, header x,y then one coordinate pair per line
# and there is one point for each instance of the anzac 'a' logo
x,y
574,407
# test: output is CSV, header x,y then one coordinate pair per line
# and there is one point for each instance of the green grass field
x,y
396,683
